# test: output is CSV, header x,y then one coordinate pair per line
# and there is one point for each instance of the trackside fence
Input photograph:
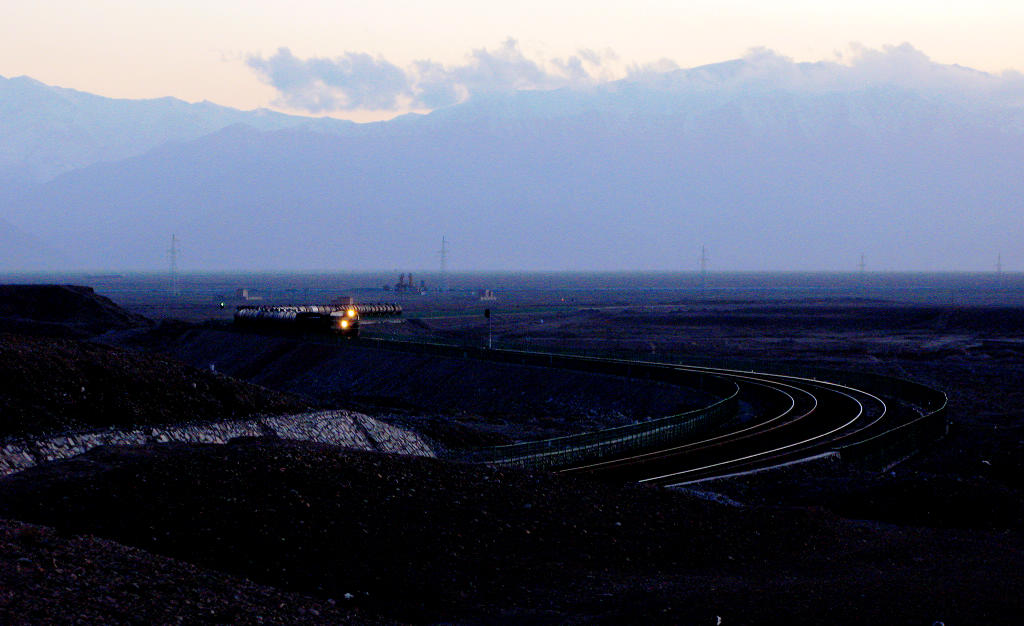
x,y
600,444
595,445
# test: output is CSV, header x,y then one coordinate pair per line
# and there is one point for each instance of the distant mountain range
x,y
802,169
46,131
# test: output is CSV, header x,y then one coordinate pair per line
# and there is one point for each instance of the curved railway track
x,y
807,418
793,418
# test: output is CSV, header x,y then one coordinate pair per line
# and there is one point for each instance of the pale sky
x,y
198,49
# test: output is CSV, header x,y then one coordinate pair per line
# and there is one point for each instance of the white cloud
x,y
360,81
861,67
352,81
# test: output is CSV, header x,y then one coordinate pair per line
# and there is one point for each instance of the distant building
x,y
247,295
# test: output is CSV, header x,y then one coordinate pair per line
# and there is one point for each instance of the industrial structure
x,y
405,284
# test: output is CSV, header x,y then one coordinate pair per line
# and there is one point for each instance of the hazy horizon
x,y
668,287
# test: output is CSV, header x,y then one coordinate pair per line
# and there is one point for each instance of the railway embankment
x,y
341,428
454,398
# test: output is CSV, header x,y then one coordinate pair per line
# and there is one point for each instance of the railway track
x,y
796,417
808,418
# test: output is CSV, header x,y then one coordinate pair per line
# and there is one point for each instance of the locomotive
x,y
341,320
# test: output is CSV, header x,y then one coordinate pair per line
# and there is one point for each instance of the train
x,y
341,320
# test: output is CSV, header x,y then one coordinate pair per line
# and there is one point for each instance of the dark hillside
x,y
61,311
49,385
52,381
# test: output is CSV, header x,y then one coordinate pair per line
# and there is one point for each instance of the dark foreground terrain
x,y
51,577
279,532
426,540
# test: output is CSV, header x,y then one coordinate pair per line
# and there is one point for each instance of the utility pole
x,y
172,254
999,264
444,264
861,265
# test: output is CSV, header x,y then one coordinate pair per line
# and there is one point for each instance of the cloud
x,y
434,86
358,80
861,68
651,69
505,69
354,80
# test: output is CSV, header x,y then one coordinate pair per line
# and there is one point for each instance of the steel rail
x,y
661,453
814,381
751,431
763,453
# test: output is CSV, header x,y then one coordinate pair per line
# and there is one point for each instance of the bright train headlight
x,y
351,312
344,324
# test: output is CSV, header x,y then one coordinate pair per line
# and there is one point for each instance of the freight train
x,y
343,320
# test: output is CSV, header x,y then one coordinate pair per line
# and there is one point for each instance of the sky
x,y
312,56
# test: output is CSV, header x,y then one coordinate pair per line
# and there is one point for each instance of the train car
x,y
313,319
341,320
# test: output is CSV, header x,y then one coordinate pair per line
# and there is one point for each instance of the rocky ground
x,y
52,577
427,540
273,531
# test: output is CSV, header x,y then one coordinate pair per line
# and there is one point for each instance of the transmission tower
x,y
172,254
999,264
444,264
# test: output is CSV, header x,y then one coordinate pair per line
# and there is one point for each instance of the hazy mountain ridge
x,y
46,130
635,174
